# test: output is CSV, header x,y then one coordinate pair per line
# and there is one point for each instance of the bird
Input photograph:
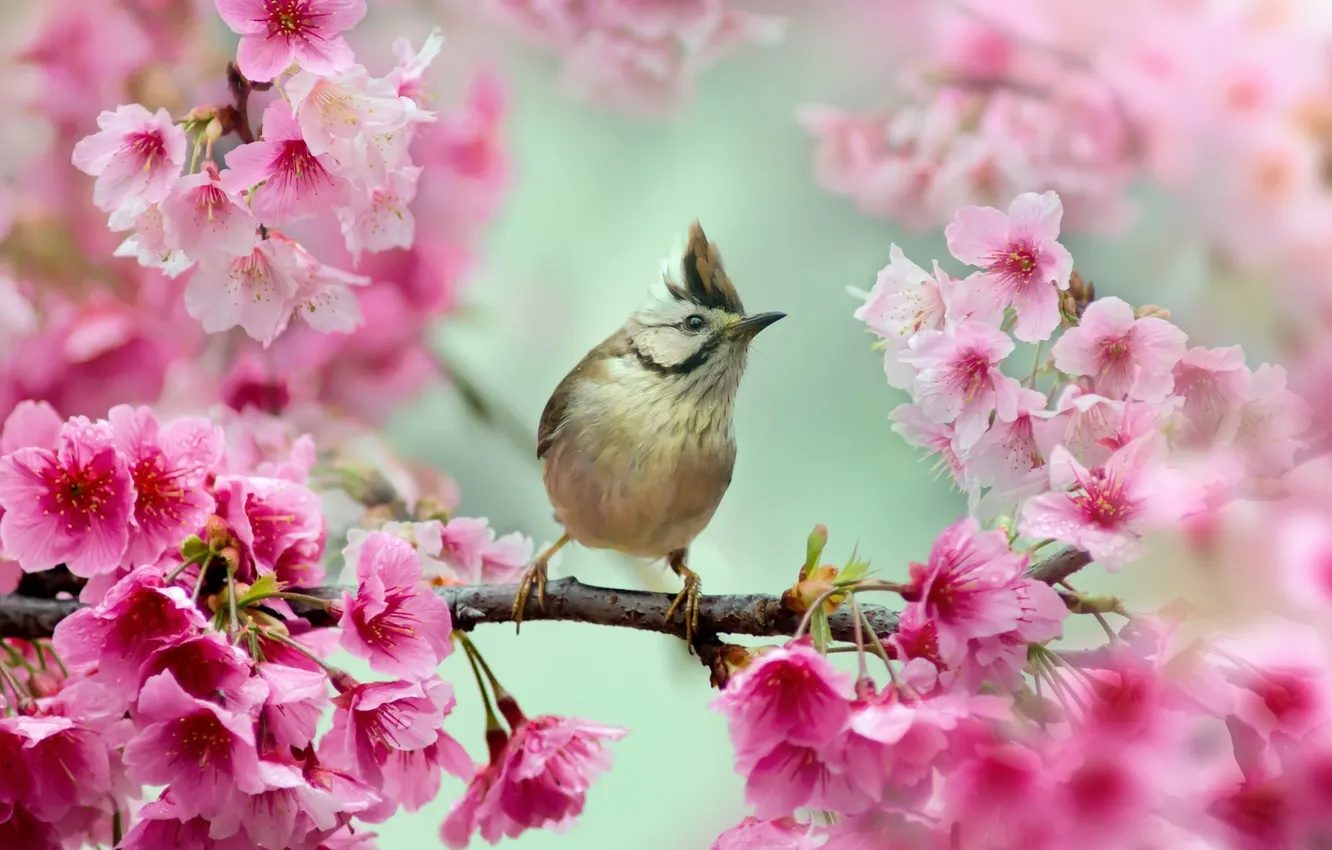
x,y
638,440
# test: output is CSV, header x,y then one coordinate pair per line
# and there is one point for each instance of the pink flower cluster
x,y
189,670
1149,742
1105,441
641,57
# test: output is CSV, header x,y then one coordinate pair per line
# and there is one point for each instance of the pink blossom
x,y
504,558
203,751
1214,383
988,797
790,694
70,505
754,834
849,147
134,154
1122,355
207,667
967,588
1006,456
31,424
1020,257
138,616
297,183
1105,510
20,828
295,702
540,779
380,218
292,810
200,218
168,465
276,33
148,243
67,764
255,291
904,301
406,76
1000,659
911,424
272,518
412,777
159,826
374,721
332,111
958,380
791,776
1268,429
395,622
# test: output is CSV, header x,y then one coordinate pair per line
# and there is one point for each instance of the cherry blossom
x,y
276,33
1122,355
134,155
958,379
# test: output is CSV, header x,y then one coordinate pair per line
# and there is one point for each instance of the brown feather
x,y
705,280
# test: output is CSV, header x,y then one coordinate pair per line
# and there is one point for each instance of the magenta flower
x,y
138,616
168,466
270,517
200,218
375,720
958,380
394,621
1020,258
790,777
1000,659
67,764
292,811
754,834
71,505
135,154
20,828
296,183
204,752
31,424
159,826
295,702
276,33
1122,355
206,667
539,780
790,694
1106,510
412,777
968,586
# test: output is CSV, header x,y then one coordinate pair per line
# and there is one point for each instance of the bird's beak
x,y
749,326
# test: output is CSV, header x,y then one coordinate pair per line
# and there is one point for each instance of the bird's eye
x,y
694,323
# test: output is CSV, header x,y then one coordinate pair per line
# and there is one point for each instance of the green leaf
x,y
818,538
819,630
265,588
193,549
855,569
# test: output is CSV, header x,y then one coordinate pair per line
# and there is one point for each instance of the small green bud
x,y
818,538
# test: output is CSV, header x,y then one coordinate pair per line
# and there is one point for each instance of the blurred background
x,y
595,198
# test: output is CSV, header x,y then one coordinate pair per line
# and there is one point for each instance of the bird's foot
x,y
534,577
688,598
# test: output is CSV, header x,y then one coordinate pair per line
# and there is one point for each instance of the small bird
x,y
638,439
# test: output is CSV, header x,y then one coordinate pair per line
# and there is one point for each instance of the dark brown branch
x,y
569,600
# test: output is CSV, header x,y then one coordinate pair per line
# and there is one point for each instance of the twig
x,y
569,600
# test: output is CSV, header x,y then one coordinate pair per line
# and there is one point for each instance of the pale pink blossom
x,y
168,465
904,301
1021,258
503,559
791,694
72,504
324,300
331,111
754,834
1270,425
849,147
1122,355
276,33
296,182
968,587
203,751
1107,509
1007,455
1213,383
201,218
911,424
148,243
255,291
539,780
31,424
136,154
958,379
138,616
1000,659
401,627
380,218
407,75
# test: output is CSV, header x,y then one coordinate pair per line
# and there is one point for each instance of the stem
x,y
303,650
492,719
473,652
804,621
175,573
878,647
860,638
198,585
117,828
8,676
1100,618
1036,364
231,597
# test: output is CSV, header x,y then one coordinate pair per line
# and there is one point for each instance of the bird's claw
x,y
534,575
689,597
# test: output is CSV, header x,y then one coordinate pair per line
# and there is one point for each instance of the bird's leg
x,y
535,575
689,596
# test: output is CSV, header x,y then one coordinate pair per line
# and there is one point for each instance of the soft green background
x,y
598,200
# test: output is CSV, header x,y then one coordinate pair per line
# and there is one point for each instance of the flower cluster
x,y
199,662
641,58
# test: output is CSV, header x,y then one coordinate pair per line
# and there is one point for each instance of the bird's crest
x,y
702,279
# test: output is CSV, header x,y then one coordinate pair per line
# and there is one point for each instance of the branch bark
x,y
568,600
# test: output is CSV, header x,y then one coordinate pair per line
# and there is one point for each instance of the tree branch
x,y
569,600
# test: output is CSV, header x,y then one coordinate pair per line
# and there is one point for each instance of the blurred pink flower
x,y
296,182
913,426
1123,356
135,155
69,504
849,147
68,765
276,33
958,379
1105,510
1271,425
754,834
1213,383
394,621
20,828
407,76
1020,258
168,465
539,780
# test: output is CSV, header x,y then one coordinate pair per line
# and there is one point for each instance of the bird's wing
x,y
591,367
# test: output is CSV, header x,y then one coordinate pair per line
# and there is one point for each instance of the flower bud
x,y
216,532
508,707
44,683
1152,311
818,538
194,549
